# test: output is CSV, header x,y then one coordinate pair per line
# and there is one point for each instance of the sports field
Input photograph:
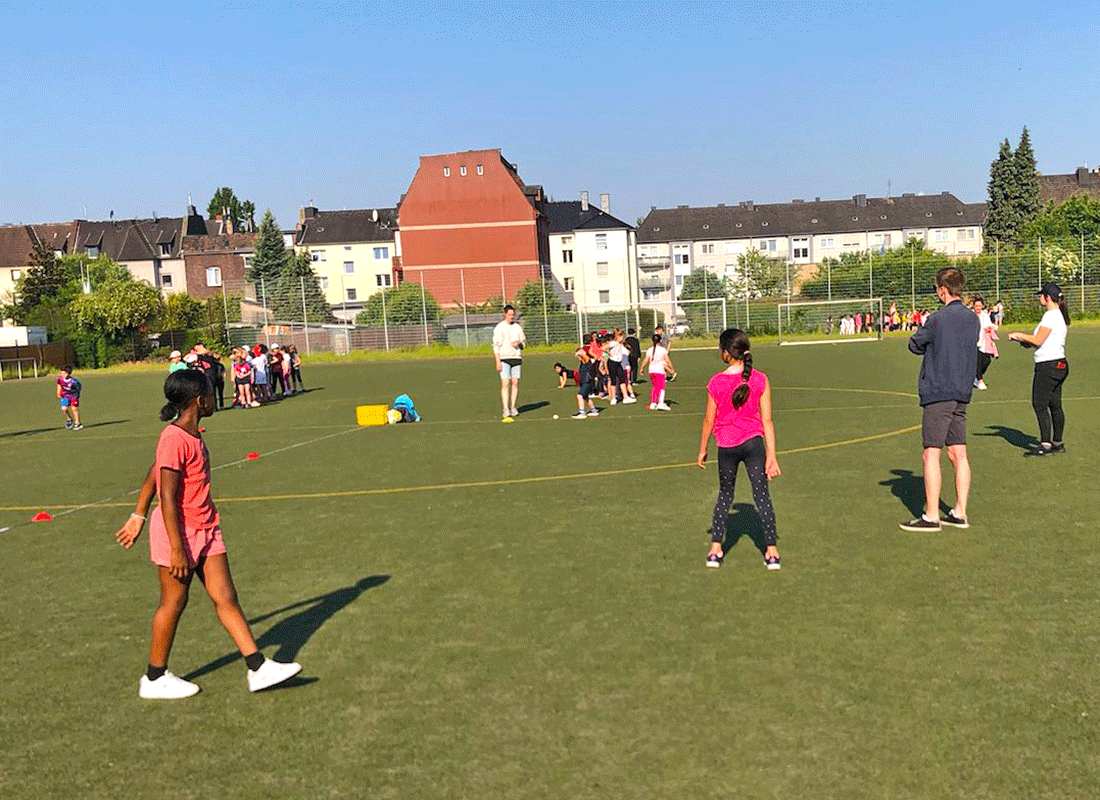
x,y
522,611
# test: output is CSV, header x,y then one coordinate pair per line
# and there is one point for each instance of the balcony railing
x,y
654,262
654,283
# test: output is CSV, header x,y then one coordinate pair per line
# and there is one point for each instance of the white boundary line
x,y
831,341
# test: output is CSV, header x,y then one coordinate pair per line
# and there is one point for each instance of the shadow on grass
x,y
909,489
12,434
1015,437
744,522
533,406
290,634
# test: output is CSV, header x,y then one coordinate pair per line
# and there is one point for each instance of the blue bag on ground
x,y
404,404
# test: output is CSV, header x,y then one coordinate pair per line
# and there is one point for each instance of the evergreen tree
x,y
1026,178
45,278
270,259
1003,222
287,295
225,202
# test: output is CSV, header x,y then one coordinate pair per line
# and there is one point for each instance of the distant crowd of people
x,y
260,374
895,319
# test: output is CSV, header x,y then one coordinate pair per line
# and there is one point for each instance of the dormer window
x,y
166,248
92,251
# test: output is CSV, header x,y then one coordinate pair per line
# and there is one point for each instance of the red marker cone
x,y
252,456
42,516
202,430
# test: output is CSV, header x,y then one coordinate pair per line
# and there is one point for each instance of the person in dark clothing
x,y
209,363
635,346
950,361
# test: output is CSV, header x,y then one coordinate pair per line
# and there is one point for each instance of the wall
x,y
329,264
232,267
620,282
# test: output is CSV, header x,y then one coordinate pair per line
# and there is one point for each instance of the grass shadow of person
x,y
908,487
743,521
1014,436
13,434
290,634
533,406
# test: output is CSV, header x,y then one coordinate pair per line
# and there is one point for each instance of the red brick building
x,y
470,228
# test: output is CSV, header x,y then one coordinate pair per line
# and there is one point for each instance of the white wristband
x,y
138,516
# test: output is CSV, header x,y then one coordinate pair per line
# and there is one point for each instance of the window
x,y
680,255
965,233
878,238
446,172
480,169
347,248
731,269
706,249
568,283
730,247
315,256
16,274
801,251
92,251
349,267
351,295
166,248
679,280
942,235
605,296
647,251
767,245
650,294
381,252
382,280
248,261
213,276
601,241
828,241
323,283
318,255
566,240
462,170
601,269
567,256
166,281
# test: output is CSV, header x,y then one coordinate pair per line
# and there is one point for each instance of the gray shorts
x,y
944,424
510,371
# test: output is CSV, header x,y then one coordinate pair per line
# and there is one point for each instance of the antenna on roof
x,y
888,187
112,215
374,216
189,199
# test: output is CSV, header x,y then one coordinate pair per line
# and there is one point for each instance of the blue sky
x,y
128,107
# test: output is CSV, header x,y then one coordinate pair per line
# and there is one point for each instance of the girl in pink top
x,y
739,414
185,539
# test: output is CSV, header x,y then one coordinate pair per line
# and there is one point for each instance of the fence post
x,y
503,293
706,299
748,323
1040,262
1082,273
829,276
263,294
344,311
465,320
580,329
305,315
997,266
545,318
385,323
870,274
225,312
912,278
424,309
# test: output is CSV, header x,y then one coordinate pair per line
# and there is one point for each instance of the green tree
x,y
1003,222
1026,178
1076,217
529,298
701,284
118,308
181,311
404,306
45,277
759,276
225,202
271,257
287,295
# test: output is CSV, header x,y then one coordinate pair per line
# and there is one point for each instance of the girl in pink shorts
x,y
185,539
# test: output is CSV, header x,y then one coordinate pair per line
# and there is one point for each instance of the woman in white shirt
x,y
1051,368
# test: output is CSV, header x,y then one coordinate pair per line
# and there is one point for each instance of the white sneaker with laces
x,y
515,413
982,386
614,401
630,400
663,407
166,687
271,673
652,406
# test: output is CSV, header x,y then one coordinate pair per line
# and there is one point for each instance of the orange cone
x,y
252,456
42,516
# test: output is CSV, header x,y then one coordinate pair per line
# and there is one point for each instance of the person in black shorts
x,y
950,360
586,374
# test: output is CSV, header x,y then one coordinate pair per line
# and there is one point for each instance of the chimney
x,y
860,200
308,212
228,221
605,203
748,205
1083,176
584,201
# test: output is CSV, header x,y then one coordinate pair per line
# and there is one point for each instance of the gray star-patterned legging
x,y
752,453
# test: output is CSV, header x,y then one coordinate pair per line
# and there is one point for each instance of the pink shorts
x,y
200,543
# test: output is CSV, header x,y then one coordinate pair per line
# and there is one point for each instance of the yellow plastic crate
x,y
370,415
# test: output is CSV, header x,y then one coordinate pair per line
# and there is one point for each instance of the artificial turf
x,y
562,638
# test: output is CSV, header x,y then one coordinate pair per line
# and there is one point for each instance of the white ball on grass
x,y
555,416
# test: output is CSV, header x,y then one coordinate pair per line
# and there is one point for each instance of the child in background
x,y
295,370
276,370
242,380
175,361
739,414
658,359
617,380
624,362
563,374
585,378
185,539
68,392
260,389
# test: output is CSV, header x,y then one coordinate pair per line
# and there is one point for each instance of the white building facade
x,y
592,255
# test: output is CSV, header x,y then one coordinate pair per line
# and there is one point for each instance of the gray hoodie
x,y
948,342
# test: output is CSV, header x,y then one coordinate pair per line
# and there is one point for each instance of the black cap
x,y
1051,290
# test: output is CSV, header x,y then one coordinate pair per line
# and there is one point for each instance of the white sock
x,y
662,400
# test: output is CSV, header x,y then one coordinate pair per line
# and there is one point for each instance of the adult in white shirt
x,y
1051,368
987,336
508,344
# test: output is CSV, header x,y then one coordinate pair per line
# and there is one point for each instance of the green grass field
x,y
527,615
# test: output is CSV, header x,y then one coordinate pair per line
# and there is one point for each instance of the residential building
x,y
591,254
16,244
469,228
149,248
1060,188
677,240
354,253
216,258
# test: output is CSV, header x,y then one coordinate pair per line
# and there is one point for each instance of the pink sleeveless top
x,y
734,426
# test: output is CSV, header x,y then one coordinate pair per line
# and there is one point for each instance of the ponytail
x,y
1063,309
181,388
734,344
741,394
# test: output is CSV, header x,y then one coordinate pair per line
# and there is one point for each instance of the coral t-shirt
x,y
178,450
734,426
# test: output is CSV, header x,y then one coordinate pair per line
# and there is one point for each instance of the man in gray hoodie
x,y
946,342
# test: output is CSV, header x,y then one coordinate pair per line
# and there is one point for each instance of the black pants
x,y
1046,398
633,368
984,360
753,454
219,393
296,378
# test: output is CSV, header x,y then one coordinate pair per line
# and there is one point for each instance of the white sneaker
x,y
975,383
255,404
652,406
614,401
982,386
663,407
514,413
271,673
166,687
630,400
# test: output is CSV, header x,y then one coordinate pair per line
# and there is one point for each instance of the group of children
x,y
608,366
259,372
